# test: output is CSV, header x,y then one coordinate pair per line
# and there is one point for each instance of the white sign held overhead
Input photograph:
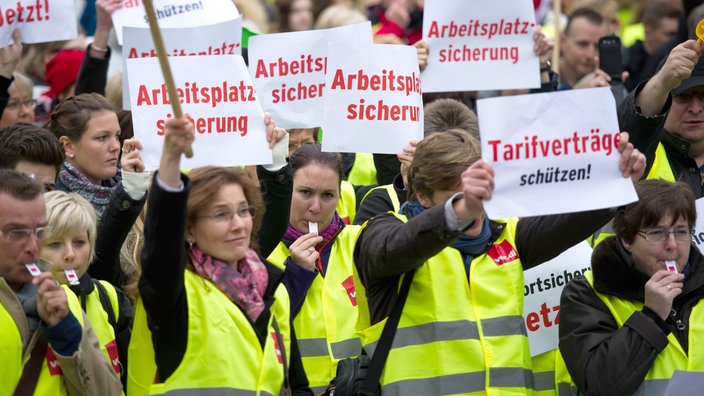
x,y
557,155
218,95
373,101
479,45
288,70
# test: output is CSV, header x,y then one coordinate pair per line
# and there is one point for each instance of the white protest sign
x,y
698,233
542,289
288,70
558,154
217,93
223,38
173,14
373,101
39,21
479,45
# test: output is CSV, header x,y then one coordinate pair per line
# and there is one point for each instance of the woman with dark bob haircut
x,y
636,317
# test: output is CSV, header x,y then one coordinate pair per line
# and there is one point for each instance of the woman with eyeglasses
x,y
213,314
636,317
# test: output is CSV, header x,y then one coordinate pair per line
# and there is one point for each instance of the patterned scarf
x,y
244,285
98,196
328,233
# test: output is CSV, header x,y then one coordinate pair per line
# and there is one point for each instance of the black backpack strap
x,y
371,382
107,304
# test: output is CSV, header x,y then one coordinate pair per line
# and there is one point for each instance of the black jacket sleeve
x,y
387,167
115,224
162,285
276,191
93,74
4,94
602,358
375,203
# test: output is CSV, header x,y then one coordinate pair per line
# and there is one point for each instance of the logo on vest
x,y
503,253
348,284
277,347
111,347
52,363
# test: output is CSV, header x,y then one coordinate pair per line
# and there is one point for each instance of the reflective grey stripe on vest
x,y
510,377
346,348
213,392
317,390
442,385
504,326
311,347
652,387
566,389
431,332
544,380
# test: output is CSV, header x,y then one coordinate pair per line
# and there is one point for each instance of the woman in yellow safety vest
x,y
316,253
217,311
462,321
70,247
637,316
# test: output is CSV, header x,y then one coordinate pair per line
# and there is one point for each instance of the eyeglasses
x,y
16,105
660,236
23,234
222,216
686,97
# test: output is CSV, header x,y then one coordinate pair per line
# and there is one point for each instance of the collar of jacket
x,y
676,143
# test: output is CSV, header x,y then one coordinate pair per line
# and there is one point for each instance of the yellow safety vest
x,y
325,325
101,325
51,379
391,191
673,357
363,172
661,166
460,335
223,353
550,375
347,205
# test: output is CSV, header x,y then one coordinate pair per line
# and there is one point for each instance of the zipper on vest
x,y
681,327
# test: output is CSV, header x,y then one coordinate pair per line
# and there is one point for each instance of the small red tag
x,y
348,284
52,363
277,347
503,253
111,347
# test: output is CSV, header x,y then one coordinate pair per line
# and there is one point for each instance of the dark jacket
x,y
93,74
114,226
602,358
162,286
378,201
388,247
647,132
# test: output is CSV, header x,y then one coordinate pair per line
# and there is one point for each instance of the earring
x,y
71,156
190,245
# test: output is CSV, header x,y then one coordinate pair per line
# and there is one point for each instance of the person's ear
x,y
69,149
626,245
424,200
